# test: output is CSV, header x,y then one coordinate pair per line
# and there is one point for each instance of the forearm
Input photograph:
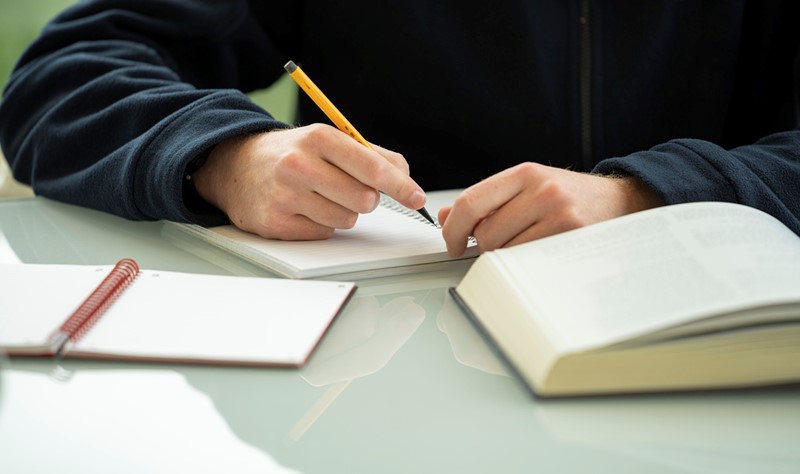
x,y
107,108
764,175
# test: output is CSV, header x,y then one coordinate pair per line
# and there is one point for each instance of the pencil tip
x,y
290,67
426,215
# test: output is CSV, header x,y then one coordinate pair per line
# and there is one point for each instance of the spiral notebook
x,y
120,312
388,241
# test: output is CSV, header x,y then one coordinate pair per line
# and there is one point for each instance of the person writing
x,y
551,115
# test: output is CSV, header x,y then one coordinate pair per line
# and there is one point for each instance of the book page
x,y
36,299
655,269
167,315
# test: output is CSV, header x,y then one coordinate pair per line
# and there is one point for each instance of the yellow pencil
x,y
332,112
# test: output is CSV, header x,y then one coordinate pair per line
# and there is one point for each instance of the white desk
x,y
403,383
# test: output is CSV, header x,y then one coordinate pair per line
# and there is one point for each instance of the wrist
x,y
209,173
636,195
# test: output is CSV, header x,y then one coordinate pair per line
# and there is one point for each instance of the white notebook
x,y
388,241
118,312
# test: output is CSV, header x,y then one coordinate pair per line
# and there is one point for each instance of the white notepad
x,y
388,241
164,316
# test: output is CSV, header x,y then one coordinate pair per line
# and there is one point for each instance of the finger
x,y
396,159
279,212
506,222
328,213
443,214
475,204
307,170
293,227
534,214
336,186
372,169
540,230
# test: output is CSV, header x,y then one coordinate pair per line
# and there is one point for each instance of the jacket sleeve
x,y
764,175
115,98
762,172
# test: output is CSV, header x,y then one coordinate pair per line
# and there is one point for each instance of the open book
x,y
388,241
685,297
121,312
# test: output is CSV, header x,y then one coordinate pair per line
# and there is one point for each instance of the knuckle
x,y
570,219
348,221
462,201
279,199
292,163
285,228
466,204
567,219
374,170
407,188
484,240
317,133
527,170
320,233
366,201
274,219
398,161
274,227
554,191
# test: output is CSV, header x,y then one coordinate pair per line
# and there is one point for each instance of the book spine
x,y
95,305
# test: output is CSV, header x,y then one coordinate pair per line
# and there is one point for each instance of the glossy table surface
x,y
402,383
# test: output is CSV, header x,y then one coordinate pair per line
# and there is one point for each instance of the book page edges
x,y
33,350
171,229
350,271
505,318
718,360
77,354
731,359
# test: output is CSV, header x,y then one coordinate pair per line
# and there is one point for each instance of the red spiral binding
x,y
93,307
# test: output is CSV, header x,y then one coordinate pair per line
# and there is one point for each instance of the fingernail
x,y
377,202
418,198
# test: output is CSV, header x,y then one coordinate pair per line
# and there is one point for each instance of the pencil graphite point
x,y
426,215
290,67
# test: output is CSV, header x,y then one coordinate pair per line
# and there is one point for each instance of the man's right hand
x,y
302,183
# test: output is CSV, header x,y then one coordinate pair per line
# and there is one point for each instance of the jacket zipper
x,y
585,83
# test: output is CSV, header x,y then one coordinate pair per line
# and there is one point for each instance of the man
x,y
117,103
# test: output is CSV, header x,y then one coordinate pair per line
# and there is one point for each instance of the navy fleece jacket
x,y
697,99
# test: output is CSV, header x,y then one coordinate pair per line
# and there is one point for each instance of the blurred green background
x,y
22,20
